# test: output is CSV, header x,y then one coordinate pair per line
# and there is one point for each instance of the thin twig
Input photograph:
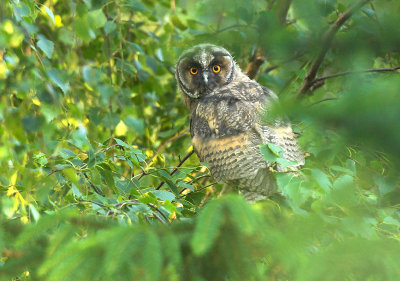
x,y
275,66
327,39
159,211
108,48
177,166
95,188
121,204
323,100
291,79
322,78
231,27
197,190
161,147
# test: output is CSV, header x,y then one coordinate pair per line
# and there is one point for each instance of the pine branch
x,y
327,39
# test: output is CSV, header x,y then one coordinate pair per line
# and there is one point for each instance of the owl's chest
x,y
219,117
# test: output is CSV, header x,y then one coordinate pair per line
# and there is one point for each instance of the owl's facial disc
x,y
202,69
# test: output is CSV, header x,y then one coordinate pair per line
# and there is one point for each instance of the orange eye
x,y
216,68
194,70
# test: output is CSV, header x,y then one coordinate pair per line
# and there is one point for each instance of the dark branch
x,y
177,166
327,39
323,100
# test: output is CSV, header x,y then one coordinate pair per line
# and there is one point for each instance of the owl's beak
x,y
205,76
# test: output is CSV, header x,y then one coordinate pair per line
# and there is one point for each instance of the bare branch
x,y
258,57
255,62
327,39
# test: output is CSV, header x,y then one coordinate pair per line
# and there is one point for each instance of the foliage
x,y
93,186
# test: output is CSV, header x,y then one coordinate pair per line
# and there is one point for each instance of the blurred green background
x,y
94,134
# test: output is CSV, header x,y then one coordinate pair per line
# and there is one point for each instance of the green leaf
x,y
109,27
46,46
275,149
96,19
125,186
79,139
177,22
59,78
83,31
49,13
123,144
286,163
136,47
268,155
107,175
136,6
32,124
164,195
185,185
165,175
137,124
322,179
21,11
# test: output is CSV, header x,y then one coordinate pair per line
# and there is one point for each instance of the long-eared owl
x,y
227,123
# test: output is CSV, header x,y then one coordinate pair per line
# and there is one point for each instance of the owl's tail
x,y
260,187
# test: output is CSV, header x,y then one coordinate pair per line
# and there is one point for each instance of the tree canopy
x,y
98,180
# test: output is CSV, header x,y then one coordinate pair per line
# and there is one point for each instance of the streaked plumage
x,y
227,127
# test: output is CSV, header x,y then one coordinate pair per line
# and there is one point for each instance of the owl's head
x,y
204,68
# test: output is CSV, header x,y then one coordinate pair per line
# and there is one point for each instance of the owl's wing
x,y
278,131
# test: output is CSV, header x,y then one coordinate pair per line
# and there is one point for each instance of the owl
x,y
227,121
